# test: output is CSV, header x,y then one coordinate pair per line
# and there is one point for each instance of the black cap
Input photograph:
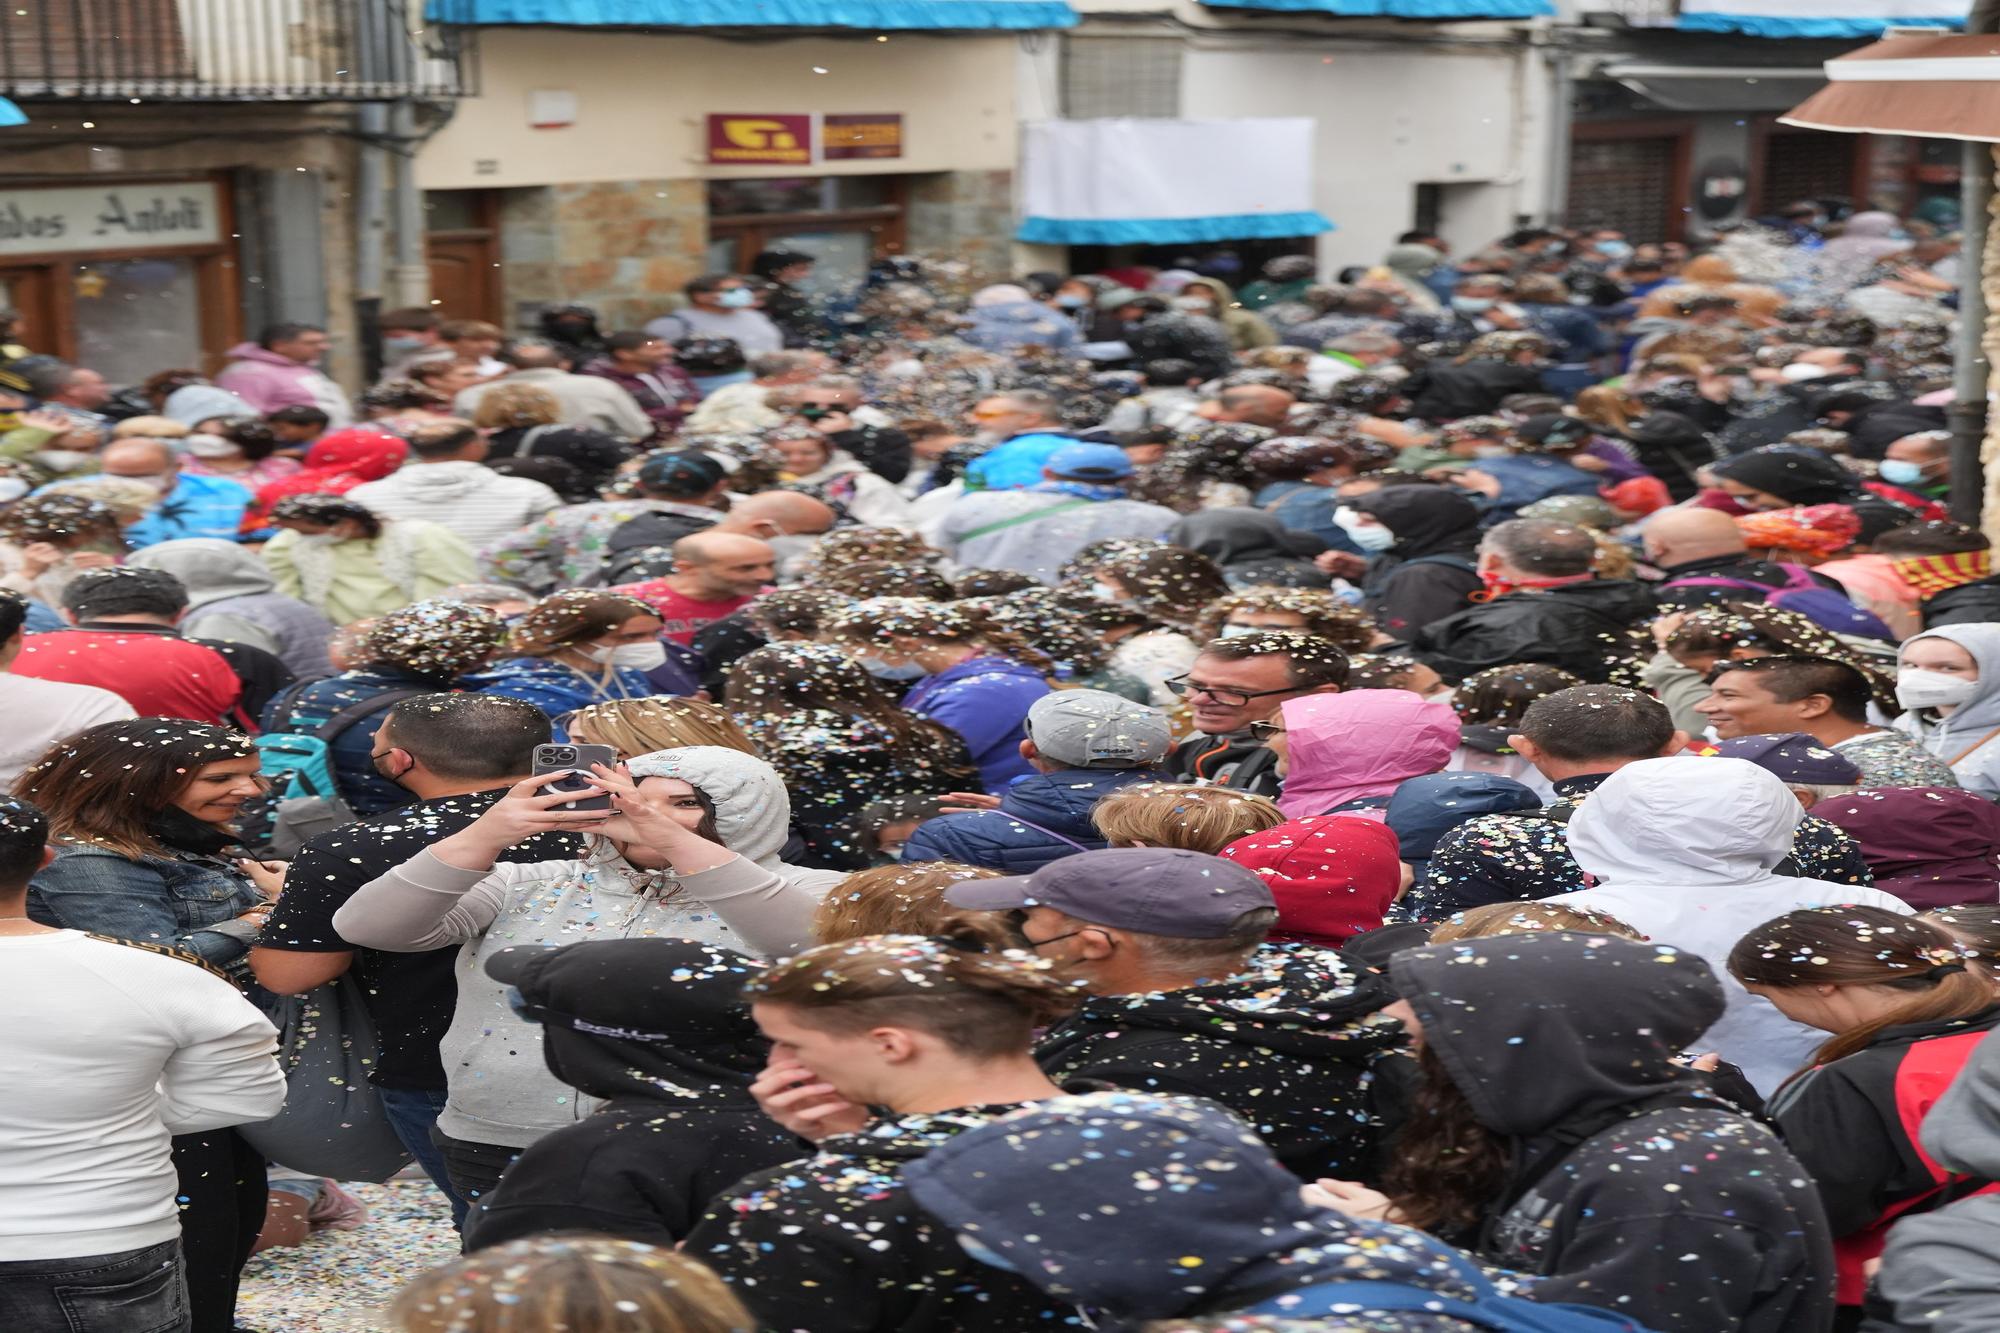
x,y
1555,428
663,990
1146,890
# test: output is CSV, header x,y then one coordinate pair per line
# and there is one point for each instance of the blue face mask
x,y
1473,305
1072,301
1615,249
1898,472
735,298
881,670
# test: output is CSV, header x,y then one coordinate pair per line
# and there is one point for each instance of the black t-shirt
x,y
410,996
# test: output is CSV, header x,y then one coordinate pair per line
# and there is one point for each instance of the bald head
x,y
1677,536
143,459
776,514
1251,404
716,566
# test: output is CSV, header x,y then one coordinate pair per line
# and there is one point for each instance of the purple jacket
x,y
663,395
268,382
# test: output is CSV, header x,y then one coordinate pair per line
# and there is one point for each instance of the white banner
x,y
1818,18
1127,170
78,218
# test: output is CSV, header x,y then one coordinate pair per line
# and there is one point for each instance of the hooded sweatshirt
x,y
1252,548
1295,1042
268,381
470,499
1333,876
500,1088
1424,809
1632,1187
1683,850
1968,740
1140,1207
1930,846
1360,745
675,1125
1036,815
1941,1271
232,597
1430,572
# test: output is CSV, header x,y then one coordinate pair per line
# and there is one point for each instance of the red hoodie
x,y
1332,876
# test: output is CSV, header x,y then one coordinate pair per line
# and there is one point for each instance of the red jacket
x,y
160,675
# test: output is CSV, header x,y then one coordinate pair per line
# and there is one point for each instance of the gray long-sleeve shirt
x,y
500,1088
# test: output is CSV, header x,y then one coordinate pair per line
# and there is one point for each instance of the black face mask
x,y
176,828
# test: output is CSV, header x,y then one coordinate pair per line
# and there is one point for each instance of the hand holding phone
x,y
575,760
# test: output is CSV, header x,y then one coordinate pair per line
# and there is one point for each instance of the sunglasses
x,y
1263,731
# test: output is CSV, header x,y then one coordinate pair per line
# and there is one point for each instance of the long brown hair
x,y
104,786
1448,1167
1864,946
575,615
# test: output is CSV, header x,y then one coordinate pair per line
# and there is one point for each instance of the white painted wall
x,y
1389,118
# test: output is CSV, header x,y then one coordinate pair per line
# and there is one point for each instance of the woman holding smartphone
x,y
688,849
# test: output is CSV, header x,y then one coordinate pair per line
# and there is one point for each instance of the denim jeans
x,y
136,1291
412,1112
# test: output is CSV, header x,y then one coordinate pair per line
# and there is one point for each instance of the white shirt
x,y
110,1050
41,712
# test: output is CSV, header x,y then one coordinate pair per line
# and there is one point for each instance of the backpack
x,y
640,547
1801,594
305,797
1488,1308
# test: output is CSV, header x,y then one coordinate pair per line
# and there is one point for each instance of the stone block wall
x,y
967,215
624,247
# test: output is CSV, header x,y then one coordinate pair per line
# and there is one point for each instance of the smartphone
x,y
574,758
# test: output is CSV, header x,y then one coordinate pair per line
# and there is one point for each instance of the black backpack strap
x,y
354,713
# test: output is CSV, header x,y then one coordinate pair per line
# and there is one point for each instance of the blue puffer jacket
x,y
1059,802
985,700
557,689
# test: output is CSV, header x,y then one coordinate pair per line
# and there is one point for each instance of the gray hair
x,y
766,364
1365,340
1540,546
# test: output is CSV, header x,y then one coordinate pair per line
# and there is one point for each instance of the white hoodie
x,y
1682,849
470,499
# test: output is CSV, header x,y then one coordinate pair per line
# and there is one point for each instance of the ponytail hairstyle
x,y
873,623
1864,946
983,1004
1977,927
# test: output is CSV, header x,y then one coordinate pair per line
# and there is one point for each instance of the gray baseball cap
x,y
1095,729
1146,890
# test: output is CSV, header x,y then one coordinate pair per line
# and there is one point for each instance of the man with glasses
x,y
1235,685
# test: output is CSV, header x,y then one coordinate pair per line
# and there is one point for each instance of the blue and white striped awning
x,y
869,15
1436,11
1819,18
1167,182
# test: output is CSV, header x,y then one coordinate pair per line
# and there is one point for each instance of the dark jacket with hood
x,y
1430,572
1974,603
1140,1207
678,1125
1631,1186
1027,831
1743,569
1447,392
1426,808
1592,630
833,1244
1295,1043
1253,549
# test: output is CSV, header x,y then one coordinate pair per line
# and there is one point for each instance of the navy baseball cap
x,y
1793,757
1089,462
1146,890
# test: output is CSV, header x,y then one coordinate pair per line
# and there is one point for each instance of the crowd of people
x,y
1456,795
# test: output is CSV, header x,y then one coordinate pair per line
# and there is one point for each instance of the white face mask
x,y
1104,592
1800,371
210,446
882,670
1238,631
1918,688
1370,537
63,460
632,656
12,488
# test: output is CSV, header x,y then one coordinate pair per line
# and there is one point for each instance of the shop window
x,y
846,222
135,316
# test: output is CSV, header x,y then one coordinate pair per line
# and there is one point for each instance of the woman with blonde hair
x,y
662,722
1174,814
904,900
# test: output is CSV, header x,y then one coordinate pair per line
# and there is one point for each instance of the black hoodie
x,y
1429,573
1295,1043
678,1125
1588,629
1632,1188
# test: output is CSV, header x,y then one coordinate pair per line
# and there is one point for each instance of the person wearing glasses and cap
x,y
1234,689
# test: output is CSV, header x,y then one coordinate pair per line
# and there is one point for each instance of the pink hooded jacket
x,y
1342,747
268,382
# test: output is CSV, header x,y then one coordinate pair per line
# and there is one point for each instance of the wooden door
x,y
465,279
30,291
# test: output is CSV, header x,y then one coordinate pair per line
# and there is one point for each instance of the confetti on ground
x,y
342,1281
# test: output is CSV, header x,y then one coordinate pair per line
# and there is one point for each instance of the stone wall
x,y
624,247
966,215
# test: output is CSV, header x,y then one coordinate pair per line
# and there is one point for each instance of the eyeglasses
x,y
1263,731
1183,687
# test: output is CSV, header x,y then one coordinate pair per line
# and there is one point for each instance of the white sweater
x,y
108,1051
